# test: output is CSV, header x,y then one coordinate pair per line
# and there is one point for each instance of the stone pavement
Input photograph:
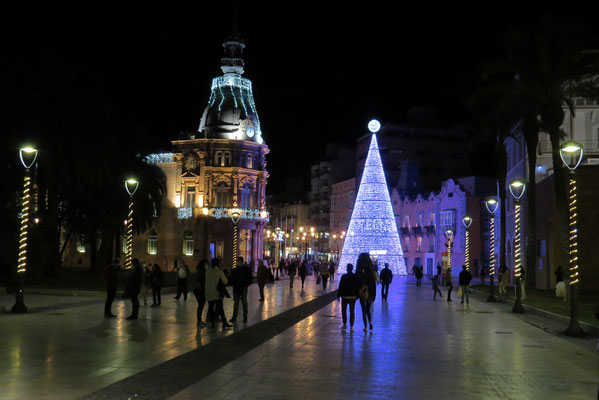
x,y
68,350
419,349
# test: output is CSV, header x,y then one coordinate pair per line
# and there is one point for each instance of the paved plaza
x,y
293,348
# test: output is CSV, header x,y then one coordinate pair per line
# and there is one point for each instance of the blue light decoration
x,y
372,228
159,158
184,213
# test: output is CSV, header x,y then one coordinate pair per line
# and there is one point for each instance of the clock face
x,y
250,131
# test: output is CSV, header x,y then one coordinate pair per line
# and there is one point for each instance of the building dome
x,y
231,110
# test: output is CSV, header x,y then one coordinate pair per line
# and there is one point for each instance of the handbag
x,y
222,290
460,294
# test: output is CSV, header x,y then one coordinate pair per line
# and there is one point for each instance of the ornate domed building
x,y
216,179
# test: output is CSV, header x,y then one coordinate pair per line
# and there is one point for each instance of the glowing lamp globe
x,y
28,156
131,186
517,188
571,153
374,126
235,214
449,234
467,221
491,205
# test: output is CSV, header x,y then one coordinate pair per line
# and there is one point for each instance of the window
x,y
218,159
220,249
420,218
190,197
227,159
431,220
80,244
248,163
246,196
447,218
152,242
406,242
406,220
188,243
419,244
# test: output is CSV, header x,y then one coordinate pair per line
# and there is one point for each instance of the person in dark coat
x,y
111,277
349,287
263,275
134,287
182,275
368,280
435,281
199,291
241,279
332,270
157,283
465,278
449,283
386,278
292,271
418,273
303,272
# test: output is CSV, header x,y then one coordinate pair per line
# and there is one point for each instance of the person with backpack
x,y
368,280
348,291
386,278
241,279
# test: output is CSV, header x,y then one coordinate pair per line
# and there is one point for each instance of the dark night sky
x,y
319,74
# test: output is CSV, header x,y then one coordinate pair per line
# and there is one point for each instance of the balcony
x,y
404,230
417,230
430,229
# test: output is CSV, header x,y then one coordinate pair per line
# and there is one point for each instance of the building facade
x,y
343,196
422,222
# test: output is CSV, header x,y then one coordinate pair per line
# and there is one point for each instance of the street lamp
x,y
517,188
571,153
131,186
449,245
235,215
467,221
491,205
277,247
28,156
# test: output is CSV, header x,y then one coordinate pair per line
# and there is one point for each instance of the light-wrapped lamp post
x,y
491,205
517,188
28,155
235,216
131,186
467,221
571,153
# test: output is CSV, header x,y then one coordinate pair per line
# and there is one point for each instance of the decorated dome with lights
x,y
231,110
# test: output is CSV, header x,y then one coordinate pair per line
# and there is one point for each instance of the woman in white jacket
x,y
214,275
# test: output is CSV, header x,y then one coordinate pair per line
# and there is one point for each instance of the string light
x,y
128,257
372,228
467,221
22,261
492,246
517,256
574,275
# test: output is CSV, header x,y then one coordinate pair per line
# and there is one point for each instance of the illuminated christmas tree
x,y
372,228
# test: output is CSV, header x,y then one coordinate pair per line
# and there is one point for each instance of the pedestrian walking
x,y
386,278
448,283
134,287
348,291
332,270
504,276
199,291
111,277
324,275
419,273
368,280
182,274
465,278
241,279
435,282
262,277
292,271
157,284
147,283
215,293
303,272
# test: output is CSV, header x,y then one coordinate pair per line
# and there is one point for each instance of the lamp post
x,y
235,215
491,205
467,221
517,188
28,155
131,186
449,245
571,153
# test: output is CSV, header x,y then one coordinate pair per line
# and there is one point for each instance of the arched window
x,y
188,243
246,196
249,163
218,159
152,242
227,159
222,195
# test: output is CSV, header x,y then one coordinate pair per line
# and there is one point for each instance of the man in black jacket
x,y
349,286
241,278
386,277
134,287
465,279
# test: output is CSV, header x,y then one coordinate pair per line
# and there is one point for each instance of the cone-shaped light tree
x,y
372,228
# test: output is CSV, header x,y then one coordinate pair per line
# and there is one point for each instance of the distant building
x,y
437,154
423,220
343,197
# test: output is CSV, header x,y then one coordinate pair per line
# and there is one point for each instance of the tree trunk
x,y
561,203
531,135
